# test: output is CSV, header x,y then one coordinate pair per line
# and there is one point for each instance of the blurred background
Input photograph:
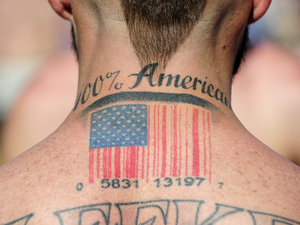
x,y
38,74
38,77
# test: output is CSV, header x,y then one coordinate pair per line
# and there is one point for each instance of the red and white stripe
x,y
179,144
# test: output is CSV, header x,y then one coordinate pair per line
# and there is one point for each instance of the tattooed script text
x,y
160,212
147,74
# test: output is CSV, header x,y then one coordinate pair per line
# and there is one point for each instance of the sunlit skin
x,y
152,149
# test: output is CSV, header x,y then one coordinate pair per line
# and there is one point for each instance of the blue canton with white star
x,y
119,126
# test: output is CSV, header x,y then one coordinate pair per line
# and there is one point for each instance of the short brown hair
x,y
158,27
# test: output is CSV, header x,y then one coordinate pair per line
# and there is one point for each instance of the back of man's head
x,y
158,28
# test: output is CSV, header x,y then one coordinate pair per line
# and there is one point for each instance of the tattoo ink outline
x,y
85,209
151,204
278,218
26,218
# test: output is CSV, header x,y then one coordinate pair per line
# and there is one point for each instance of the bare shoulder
x,y
39,180
266,183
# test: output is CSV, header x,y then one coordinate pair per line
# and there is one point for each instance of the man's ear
x,y
259,8
62,8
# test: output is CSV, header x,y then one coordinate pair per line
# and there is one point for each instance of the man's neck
x,y
149,85
110,70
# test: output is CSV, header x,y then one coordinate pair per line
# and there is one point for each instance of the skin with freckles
x,y
153,143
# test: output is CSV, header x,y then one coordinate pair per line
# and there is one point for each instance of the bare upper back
x,y
244,183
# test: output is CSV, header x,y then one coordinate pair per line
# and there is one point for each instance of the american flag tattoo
x,y
150,141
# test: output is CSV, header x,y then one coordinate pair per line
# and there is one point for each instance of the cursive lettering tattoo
x,y
146,76
95,88
177,81
159,212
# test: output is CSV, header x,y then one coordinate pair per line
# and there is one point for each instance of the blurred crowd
x,y
266,92
35,64
30,32
280,25
38,77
